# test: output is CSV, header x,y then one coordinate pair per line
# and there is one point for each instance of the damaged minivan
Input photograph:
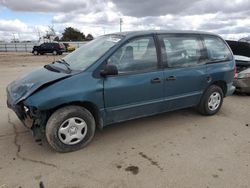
x,y
122,76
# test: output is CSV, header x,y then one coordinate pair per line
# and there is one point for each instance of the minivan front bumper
x,y
21,112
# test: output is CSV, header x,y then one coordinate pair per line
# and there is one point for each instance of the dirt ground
x,y
177,149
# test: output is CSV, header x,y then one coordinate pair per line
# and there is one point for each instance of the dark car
x,y
241,51
123,76
50,47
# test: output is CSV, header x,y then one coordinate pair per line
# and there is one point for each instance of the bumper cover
x,y
230,89
20,112
242,85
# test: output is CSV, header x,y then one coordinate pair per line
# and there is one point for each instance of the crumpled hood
x,y
24,86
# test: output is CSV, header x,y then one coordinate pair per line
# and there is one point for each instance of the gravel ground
x,y
176,149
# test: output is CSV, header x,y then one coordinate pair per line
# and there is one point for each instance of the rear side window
x,y
61,45
43,45
54,45
48,45
216,49
180,51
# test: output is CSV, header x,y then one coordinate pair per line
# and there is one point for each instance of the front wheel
x,y
35,52
54,52
70,128
211,101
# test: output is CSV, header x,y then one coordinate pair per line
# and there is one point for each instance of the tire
x,y
61,133
35,52
54,52
60,53
211,101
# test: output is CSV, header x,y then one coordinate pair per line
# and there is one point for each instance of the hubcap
x,y
72,131
214,101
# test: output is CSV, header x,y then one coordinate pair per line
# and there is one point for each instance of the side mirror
x,y
109,70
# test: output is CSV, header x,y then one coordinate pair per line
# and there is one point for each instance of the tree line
x,y
72,34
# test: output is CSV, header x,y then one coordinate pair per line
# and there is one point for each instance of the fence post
x,y
15,47
6,47
25,47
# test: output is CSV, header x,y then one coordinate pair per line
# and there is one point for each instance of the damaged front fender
x,y
23,87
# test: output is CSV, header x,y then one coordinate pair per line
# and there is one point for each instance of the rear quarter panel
x,y
223,71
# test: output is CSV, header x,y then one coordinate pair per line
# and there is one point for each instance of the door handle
x,y
171,78
155,80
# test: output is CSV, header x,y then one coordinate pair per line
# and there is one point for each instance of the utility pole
x,y
14,37
121,22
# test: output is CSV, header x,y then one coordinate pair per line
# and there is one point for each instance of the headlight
x,y
243,75
18,91
26,109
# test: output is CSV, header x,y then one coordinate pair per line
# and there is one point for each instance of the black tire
x,y
55,52
203,106
35,52
61,115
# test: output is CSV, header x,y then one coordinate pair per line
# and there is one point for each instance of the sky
x,y
27,19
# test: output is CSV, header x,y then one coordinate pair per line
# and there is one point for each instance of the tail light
x,y
247,75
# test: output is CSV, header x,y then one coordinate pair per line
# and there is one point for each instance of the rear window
x,y
217,49
61,45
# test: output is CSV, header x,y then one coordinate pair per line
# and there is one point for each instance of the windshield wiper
x,y
49,67
62,61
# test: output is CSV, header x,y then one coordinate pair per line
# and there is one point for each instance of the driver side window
x,y
136,55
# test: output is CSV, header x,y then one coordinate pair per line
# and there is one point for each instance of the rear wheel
x,y
211,101
70,128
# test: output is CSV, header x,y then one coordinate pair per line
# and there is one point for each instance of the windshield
x,y
90,52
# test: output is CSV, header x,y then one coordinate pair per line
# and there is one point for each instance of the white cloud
x,y
13,25
102,16
20,30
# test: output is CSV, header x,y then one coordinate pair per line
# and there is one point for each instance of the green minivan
x,y
122,76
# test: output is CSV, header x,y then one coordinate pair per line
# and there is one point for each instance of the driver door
x,y
138,89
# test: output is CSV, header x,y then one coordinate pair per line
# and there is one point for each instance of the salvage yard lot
x,y
176,149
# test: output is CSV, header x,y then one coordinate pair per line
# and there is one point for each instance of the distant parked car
x,y
50,47
69,47
241,51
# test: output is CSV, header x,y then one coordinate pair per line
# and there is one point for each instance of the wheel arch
x,y
91,107
222,84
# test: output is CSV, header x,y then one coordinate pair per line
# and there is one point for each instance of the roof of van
x,y
145,32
